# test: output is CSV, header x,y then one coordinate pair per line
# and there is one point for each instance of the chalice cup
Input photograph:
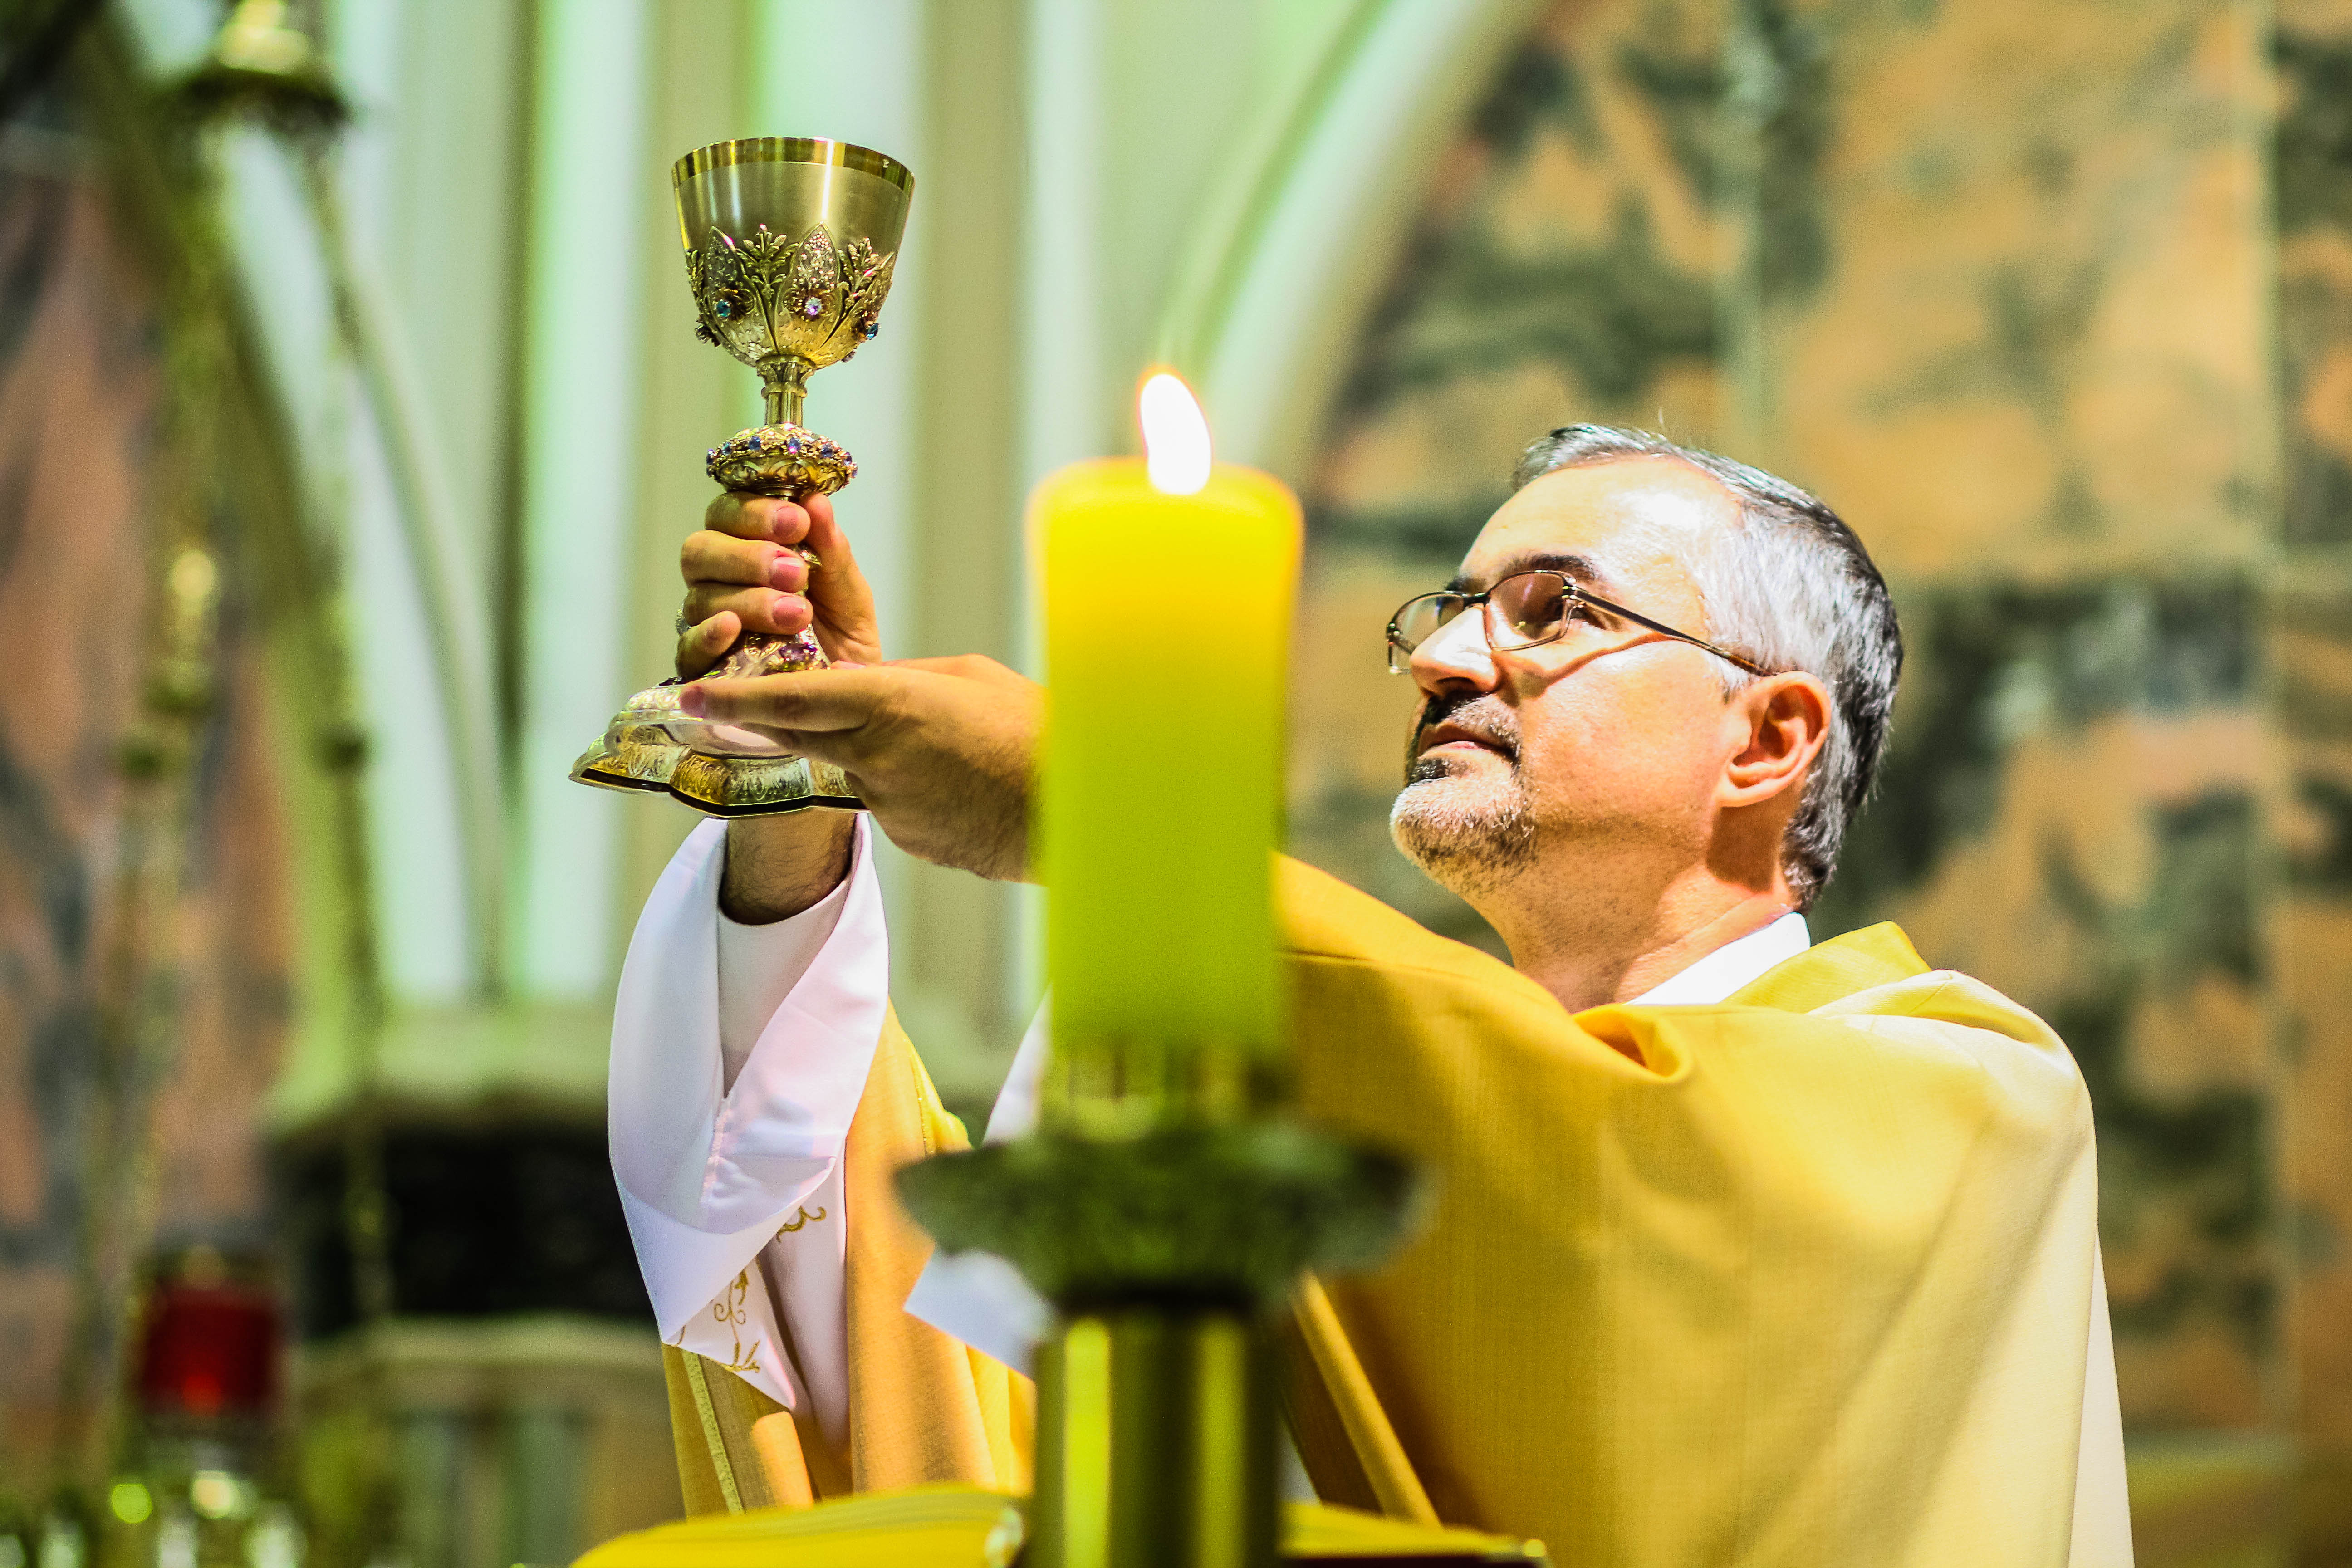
x,y
790,244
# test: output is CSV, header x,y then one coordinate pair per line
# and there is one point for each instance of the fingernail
x,y
786,571
690,700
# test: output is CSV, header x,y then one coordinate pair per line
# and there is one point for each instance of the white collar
x,y
1731,966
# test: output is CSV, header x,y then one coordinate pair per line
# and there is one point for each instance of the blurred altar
x,y
344,464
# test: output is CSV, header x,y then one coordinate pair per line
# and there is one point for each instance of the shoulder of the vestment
x,y
1320,917
1874,971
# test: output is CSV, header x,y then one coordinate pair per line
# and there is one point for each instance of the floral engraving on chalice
x,y
763,295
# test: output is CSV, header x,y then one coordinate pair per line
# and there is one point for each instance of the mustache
x,y
1487,718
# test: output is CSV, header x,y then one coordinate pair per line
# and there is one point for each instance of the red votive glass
x,y
210,1349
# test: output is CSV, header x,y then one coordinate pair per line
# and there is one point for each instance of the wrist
x,y
778,867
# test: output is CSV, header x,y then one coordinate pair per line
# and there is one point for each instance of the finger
x,y
700,647
748,516
837,584
713,557
788,520
728,513
937,664
818,505
824,536
967,667
810,700
843,748
759,609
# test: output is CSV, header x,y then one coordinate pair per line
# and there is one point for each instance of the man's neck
x,y
1599,947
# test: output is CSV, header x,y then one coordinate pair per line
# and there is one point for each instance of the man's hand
x,y
743,571
941,750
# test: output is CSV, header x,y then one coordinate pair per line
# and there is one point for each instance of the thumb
x,y
839,584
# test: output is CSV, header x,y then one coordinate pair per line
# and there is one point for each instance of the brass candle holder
x,y
1167,1209
790,246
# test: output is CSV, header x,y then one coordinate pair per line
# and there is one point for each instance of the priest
x,y
1748,1249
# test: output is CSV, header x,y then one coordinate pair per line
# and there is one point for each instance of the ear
x,y
1788,720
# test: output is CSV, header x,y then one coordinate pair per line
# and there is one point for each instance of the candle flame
x,y
1175,436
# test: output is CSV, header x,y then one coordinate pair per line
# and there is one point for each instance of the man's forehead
x,y
1614,523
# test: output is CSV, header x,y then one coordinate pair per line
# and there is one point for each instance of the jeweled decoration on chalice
x,y
790,246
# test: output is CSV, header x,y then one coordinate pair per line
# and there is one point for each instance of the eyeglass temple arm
x,y
1639,619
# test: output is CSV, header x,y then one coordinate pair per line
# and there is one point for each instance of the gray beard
x,y
1467,845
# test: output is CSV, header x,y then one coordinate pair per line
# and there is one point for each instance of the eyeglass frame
x,y
1572,594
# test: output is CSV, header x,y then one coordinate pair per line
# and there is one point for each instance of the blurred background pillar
x,y
580,381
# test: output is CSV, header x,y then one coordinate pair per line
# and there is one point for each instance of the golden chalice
x,y
789,244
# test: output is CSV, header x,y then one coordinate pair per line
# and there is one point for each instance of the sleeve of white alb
x,y
758,967
707,1169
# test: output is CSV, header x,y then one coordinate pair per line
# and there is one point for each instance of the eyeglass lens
x,y
1423,619
1525,610
1528,609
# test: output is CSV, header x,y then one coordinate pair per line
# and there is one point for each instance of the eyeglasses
x,y
1525,610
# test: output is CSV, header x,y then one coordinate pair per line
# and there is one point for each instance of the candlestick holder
x,y
1166,1217
790,246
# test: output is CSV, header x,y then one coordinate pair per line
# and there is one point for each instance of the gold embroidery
x,y
731,1310
800,1218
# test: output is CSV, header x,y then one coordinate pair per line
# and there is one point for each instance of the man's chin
x,y
1463,824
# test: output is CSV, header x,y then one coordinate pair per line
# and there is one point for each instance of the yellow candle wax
x,y
1167,641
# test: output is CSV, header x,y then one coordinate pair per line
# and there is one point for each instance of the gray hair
x,y
1791,588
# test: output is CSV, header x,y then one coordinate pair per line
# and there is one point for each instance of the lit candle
x,y
1168,586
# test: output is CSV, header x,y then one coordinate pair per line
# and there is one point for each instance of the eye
x,y
1532,607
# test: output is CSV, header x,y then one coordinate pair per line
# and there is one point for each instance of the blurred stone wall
x,y
79,391
2053,302
2311,646
521,1374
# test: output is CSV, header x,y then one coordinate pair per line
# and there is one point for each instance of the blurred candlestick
x,y
1168,586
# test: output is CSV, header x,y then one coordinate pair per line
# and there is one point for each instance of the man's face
x,y
1606,743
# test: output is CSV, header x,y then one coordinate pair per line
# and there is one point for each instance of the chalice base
x,y
719,770
715,786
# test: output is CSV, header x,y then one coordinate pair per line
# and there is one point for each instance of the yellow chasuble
x,y
1803,1278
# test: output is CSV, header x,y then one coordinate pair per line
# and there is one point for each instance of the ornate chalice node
x,y
790,248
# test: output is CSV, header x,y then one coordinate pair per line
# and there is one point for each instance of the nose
x,y
1457,656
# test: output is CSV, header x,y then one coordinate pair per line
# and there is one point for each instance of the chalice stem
x,y
784,384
